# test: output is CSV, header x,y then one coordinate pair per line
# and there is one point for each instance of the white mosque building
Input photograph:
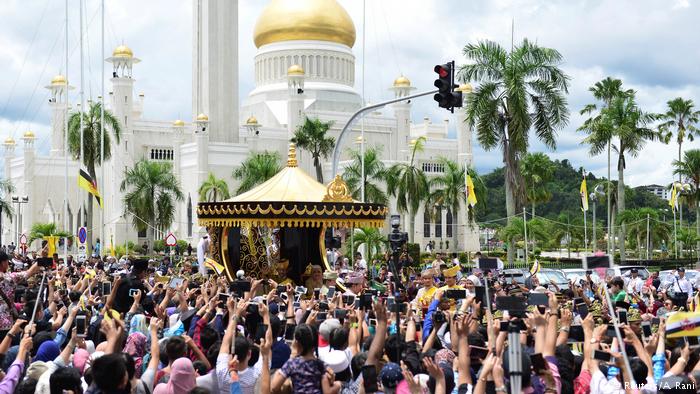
x,y
304,67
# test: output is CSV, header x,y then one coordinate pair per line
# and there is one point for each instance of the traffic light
x,y
447,97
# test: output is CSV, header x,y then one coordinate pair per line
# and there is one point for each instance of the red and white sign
x,y
170,240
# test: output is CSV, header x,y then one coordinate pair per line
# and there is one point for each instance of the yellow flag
x,y
584,195
51,243
471,196
111,246
674,197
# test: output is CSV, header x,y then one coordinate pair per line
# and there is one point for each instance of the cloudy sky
x,y
650,44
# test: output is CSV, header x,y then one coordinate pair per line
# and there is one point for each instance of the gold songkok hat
x,y
449,272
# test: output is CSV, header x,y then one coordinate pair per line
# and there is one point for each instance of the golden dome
x,y
29,134
178,123
9,141
402,82
59,80
287,20
464,88
202,118
123,51
295,69
251,121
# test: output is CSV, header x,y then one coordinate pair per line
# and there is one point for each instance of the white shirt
x,y
680,284
601,385
247,378
202,248
635,285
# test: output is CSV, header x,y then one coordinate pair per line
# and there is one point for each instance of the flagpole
x,y
82,103
525,231
65,148
585,233
102,137
675,234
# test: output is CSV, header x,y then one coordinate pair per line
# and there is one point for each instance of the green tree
x,y
409,185
6,188
689,170
682,118
375,175
449,190
213,188
628,124
151,192
375,242
537,229
537,170
311,136
604,91
92,135
519,90
41,230
257,168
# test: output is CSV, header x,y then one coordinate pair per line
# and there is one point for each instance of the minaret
x,y
402,110
123,154
295,110
467,233
9,145
59,110
253,127
28,176
178,131
215,66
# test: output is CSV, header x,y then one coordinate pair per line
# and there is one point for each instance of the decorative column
x,y
9,146
201,138
402,110
58,102
28,211
253,128
178,128
295,104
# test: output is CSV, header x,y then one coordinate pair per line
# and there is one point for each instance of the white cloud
x,y
649,44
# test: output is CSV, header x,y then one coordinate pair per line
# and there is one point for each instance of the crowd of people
x,y
160,326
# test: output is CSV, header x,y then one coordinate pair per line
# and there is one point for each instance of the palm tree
x,y
256,169
6,188
373,240
689,169
375,173
92,134
151,191
626,122
41,230
449,189
409,185
606,91
311,136
515,230
519,90
212,188
537,170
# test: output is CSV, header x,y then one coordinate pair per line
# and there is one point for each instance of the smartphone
x,y
281,289
391,301
646,328
373,322
692,341
366,301
289,332
317,293
576,334
622,304
369,379
323,306
610,333
480,295
300,290
582,310
81,325
260,332
296,304
252,309
175,282
133,292
478,352
398,308
655,321
622,317
106,288
504,325
602,356
538,362
45,262
456,294
348,299
537,299
340,314
240,287
331,292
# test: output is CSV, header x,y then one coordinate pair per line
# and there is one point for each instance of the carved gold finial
x,y
292,156
337,191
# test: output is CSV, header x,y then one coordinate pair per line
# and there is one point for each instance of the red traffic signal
x,y
446,97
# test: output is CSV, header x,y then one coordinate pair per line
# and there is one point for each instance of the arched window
x,y
426,223
438,222
189,215
448,223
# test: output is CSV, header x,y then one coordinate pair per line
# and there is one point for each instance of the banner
x,y
86,182
471,195
584,195
683,324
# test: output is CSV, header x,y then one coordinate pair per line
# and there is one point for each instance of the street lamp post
x,y
19,201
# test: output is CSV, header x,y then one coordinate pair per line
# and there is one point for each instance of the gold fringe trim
x,y
290,222
256,209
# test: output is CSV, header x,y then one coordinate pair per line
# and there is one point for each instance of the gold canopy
x,y
292,198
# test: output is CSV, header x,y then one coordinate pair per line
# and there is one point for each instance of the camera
x,y
439,318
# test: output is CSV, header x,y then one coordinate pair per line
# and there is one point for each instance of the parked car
x,y
580,273
691,275
626,270
546,275
516,273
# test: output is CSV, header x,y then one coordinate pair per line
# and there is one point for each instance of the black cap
x,y
634,270
681,269
139,264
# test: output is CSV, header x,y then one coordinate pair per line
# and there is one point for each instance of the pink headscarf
x,y
80,358
182,378
136,347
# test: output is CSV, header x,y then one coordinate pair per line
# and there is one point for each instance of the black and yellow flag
x,y
86,182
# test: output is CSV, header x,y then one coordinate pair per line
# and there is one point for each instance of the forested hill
x,y
565,199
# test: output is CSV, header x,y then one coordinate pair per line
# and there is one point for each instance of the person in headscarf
x,y
138,324
48,351
136,346
182,378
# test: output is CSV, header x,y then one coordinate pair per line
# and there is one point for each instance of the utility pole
x,y
648,237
